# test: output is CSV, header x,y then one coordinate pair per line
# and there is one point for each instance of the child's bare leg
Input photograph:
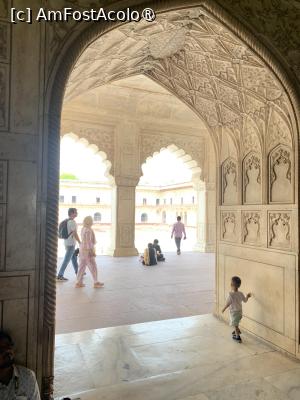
x,y
237,330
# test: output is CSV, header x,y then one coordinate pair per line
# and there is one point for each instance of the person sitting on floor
x,y
159,254
150,255
16,382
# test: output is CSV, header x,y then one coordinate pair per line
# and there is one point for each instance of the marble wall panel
x,y
271,278
14,298
266,281
21,216
25,91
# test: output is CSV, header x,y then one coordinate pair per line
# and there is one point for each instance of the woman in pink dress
x,y
87,254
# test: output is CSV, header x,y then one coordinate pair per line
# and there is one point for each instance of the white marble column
x,y
123,221
127,174
205,217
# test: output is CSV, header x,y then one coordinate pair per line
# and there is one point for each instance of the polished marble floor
x,y
180,287
191,358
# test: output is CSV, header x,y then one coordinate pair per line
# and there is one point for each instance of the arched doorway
x,y
172,191
244,228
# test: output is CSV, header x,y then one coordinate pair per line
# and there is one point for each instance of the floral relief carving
x,y
228,226
189,53
278,132
229,181
252,178
251,227
276,21
251,138
281,175
280,230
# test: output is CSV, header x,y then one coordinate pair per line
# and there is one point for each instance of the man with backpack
x,y
68,231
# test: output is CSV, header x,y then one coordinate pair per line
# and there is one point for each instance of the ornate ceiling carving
x,y
193,56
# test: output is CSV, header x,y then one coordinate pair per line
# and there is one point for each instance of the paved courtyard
x,y
180,287
191,358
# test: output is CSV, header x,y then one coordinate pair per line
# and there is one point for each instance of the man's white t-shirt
x,y
72,227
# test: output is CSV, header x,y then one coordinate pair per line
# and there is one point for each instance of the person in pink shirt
x,y
177,231
87,254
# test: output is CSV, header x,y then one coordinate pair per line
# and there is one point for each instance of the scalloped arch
x,y
95,149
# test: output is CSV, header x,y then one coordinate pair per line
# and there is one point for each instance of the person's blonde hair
x,y
88,221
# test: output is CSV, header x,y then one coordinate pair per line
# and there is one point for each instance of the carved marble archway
x,y
226,105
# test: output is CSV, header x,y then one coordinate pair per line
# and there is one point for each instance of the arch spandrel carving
x,y
149,150
278,131
194,147
107,162
281,175
103,138
252,137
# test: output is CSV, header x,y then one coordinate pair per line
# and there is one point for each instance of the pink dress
x,y
86,254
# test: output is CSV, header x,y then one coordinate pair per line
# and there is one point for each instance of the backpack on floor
x,y
63,229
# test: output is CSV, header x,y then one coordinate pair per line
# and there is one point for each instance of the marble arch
x,y
226,104
95,150
180,154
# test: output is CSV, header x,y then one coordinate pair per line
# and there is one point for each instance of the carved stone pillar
x,y
127,174
123,218
206,222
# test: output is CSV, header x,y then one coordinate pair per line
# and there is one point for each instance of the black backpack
x,y
63,229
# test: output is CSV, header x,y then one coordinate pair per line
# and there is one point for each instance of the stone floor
x,y
191,358
182,286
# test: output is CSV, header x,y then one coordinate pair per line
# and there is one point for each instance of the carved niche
x,y
281,175
229,226
252,179
229,181
280,230
251,227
